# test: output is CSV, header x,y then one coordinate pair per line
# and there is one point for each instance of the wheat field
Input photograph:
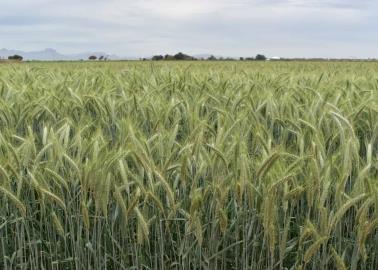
x,y
195,165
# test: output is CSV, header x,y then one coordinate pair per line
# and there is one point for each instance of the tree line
x,y
185,57
182,56
178,57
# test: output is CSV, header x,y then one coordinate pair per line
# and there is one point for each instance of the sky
x,y
286,28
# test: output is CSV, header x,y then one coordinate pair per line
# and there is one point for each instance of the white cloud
x,y
239,27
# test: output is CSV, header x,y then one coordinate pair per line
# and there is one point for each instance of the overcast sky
x,y
290,28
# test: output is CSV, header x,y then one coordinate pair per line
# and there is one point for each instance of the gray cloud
x,y
141,28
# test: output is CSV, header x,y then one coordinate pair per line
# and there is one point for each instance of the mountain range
x,y
54,55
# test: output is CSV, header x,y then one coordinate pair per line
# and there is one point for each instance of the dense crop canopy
x,y
189,165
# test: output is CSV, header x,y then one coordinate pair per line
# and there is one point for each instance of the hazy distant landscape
x,y
53,55
50,54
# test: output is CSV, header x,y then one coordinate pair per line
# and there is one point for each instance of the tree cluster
x,y
15,57
178,56
259,57
101,58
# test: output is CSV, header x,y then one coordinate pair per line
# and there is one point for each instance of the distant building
x,y
275,58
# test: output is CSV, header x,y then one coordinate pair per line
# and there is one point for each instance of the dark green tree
x,y
182,56
15,57
212,58
260,57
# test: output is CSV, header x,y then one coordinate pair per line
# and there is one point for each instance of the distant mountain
x,y
53,55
